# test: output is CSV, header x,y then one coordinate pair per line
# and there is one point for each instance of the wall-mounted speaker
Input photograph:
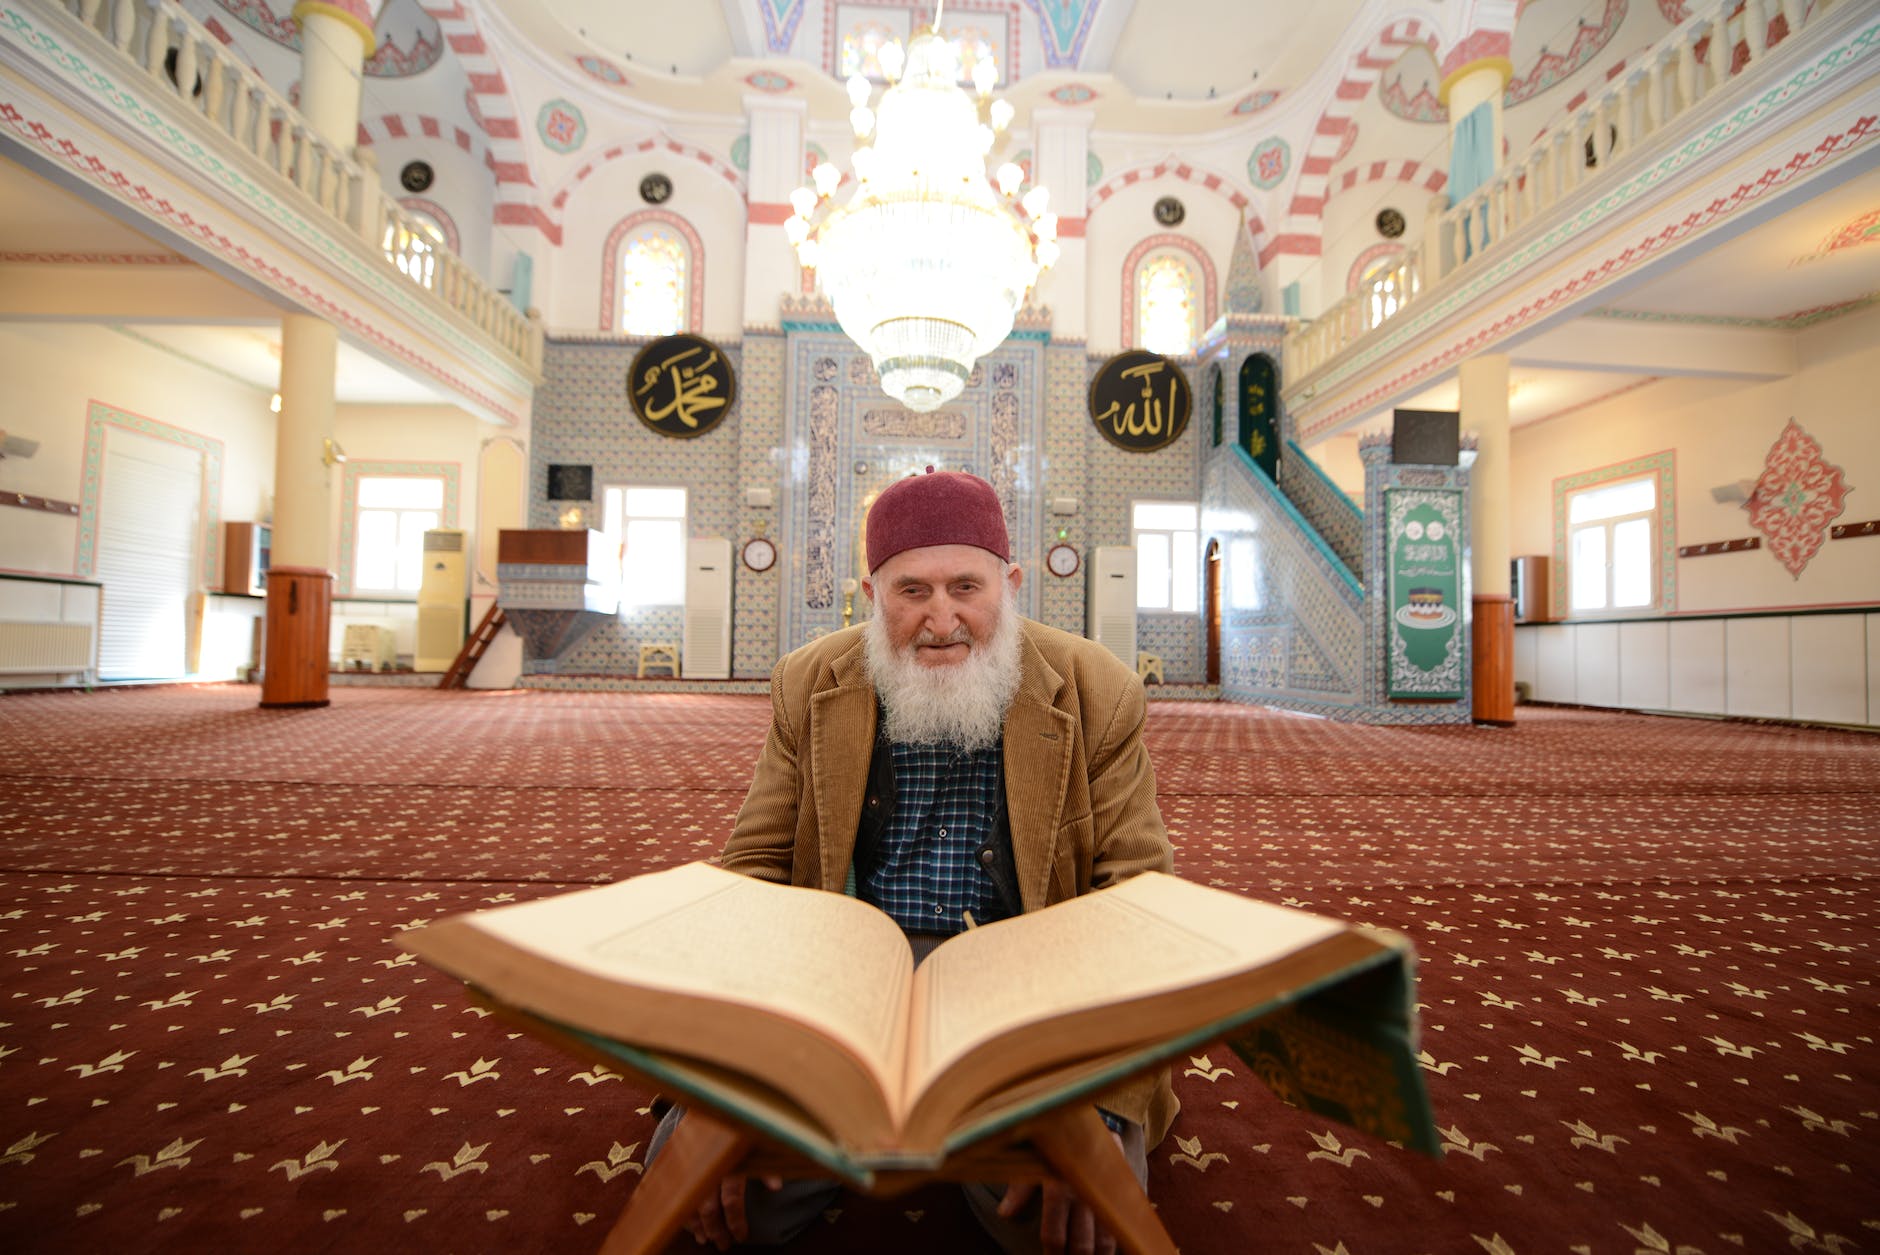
x,y
1426,437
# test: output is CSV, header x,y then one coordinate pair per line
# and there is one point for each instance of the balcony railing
x,y
177,57
1668,80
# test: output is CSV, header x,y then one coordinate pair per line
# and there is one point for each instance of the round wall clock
x,y
760,554
1061,560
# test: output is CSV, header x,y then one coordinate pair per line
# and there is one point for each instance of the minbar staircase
x,y
473,648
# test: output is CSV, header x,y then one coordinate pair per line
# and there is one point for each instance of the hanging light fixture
x,y
927,263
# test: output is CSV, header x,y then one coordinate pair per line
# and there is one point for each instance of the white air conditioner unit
x,y
1110,607
441,593
707,609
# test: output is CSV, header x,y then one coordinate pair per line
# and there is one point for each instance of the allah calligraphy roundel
x,y
681,386
1140,401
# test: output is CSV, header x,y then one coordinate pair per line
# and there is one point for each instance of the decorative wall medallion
x,y
1253,103
681,385
760,554
417,176
656,189
1169,211
561,126
741,152
770,81
1269,163
605,71
1062,560
1073,94
1797,497
1390,223
1093,170
1140,401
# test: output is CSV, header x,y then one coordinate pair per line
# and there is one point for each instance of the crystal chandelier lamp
x,y
927,263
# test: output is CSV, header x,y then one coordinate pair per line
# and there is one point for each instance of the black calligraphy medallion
x,y
1140,401
681,385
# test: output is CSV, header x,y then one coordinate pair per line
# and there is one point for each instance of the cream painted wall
x,y
413,433
570,296
1721,433
1124,221
53,371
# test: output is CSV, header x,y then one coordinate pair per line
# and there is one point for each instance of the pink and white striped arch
x,y
688,152
493,107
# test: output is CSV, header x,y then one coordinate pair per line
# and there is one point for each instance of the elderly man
x,y
953,764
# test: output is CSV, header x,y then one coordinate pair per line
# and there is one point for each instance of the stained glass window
x,y
1166,304
971,44
654,272
861,49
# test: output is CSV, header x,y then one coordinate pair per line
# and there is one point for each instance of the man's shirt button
x,y
943,832
986,856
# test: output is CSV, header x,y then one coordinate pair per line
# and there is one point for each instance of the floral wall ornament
x,y
1253,103
561,126
1798,496
605,71
1269,163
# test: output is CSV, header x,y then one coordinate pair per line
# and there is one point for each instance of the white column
x,y
303,532
335,40
1060,163
776,170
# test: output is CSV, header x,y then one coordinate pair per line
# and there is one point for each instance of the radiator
x,y
42,648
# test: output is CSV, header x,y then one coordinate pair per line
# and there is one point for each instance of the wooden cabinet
x,y
1532,591
246,548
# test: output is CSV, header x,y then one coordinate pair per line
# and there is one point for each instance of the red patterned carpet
x,y
1648,974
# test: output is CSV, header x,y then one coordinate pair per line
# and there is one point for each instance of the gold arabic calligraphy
x,y
1123,420
692,387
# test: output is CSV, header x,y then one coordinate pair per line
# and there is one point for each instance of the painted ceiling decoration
x,y
1549,69
1065,25
408,39
1253,102
1862,230
780,21
1798,496
604,70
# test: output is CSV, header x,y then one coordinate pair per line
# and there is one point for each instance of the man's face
x,y
941,602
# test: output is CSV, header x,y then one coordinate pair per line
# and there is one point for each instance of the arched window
x,y
861,49
971,44
1168,296
653,276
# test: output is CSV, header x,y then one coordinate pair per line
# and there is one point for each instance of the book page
x,y
1151,934
698,930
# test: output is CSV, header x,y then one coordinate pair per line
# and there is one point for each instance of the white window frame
x,y
1654,520
412,564
1178,543
616,524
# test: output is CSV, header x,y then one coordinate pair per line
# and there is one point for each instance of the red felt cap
x,y
938,508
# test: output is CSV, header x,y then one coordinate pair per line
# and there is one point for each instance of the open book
x,y
803,1012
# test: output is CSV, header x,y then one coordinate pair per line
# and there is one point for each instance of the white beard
x,y
962,705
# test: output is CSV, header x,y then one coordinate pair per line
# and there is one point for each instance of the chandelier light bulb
x,y
807,252
1047,252
1036,200
985,75
1009,176
803,201
862,118
1044,226
986,139
859,90
1001,113
828,179
891,59
796,230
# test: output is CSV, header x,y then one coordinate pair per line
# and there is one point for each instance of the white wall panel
x,y
1755,668
1644,666
1873,669
1827,666
1696,666
1596,663
1526,651
1553,665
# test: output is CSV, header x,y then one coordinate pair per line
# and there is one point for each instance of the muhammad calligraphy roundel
x,y
1140,401
681,386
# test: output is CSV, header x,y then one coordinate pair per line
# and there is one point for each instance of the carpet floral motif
x,y
1799,494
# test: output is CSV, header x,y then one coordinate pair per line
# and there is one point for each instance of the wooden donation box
x,y
555,587
300,607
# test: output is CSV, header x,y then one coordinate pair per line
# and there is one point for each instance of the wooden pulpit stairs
x,y
474,646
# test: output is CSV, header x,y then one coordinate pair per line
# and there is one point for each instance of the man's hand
x,y
720,1219
1065,1224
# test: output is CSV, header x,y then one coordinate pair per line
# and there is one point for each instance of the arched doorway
x,y
1214,611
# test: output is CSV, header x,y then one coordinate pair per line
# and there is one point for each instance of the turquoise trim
x,y
1325,479
804,324
1335,563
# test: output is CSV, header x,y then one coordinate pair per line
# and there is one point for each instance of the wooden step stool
x,y
659,654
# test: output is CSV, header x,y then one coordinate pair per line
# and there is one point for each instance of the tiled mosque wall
x,y
812,426
582,416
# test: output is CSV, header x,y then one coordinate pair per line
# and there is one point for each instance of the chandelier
x,y
927,262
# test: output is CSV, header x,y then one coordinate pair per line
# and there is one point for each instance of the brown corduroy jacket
x,y
1080,793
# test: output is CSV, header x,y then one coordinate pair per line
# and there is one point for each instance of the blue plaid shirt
x,y
929,873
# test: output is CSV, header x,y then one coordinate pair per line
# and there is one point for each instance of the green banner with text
x,y
1424,581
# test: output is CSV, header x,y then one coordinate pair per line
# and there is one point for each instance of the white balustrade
x,y
1663,83
178,57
